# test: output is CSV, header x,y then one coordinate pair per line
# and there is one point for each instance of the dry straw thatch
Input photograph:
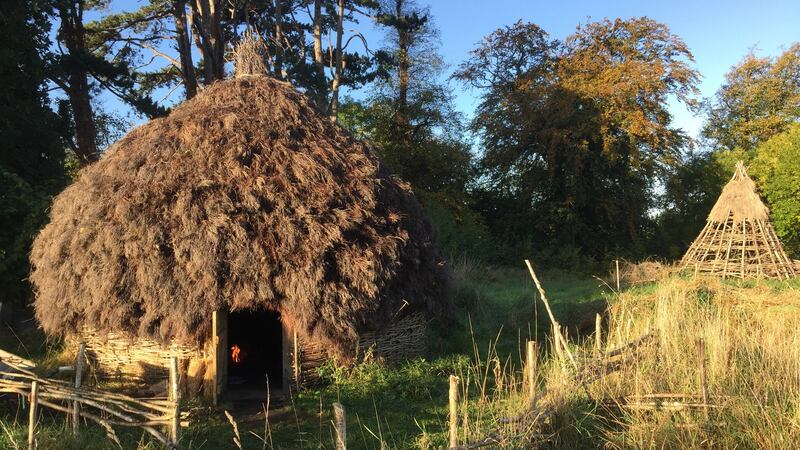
x,y
738,239
739,200
243,197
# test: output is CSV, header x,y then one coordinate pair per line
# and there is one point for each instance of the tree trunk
x,y
206,21
338,74
185,49
73,34
318,61
279,39
404,43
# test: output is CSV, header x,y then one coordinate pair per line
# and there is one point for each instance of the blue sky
x,y
719,33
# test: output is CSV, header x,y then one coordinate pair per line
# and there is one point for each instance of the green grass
x,y
497,310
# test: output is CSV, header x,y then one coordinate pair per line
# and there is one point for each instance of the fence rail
x,y
159,417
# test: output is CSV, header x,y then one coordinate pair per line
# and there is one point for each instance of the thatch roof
x,y
739,200
243,197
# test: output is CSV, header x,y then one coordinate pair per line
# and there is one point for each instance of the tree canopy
x,y
578,131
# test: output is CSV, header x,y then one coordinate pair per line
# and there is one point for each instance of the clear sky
x,y
719,33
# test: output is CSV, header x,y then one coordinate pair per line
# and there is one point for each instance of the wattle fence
x,y
159,417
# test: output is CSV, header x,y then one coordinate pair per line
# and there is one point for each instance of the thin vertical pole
x,y
34,400
175,397
340,424
616,262
598,330
703,379
530,365
76,405
296,360
453,411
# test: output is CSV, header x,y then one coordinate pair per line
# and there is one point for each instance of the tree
x,y
760,98
410,117
83,62
690,190
579,131
776,168
31,153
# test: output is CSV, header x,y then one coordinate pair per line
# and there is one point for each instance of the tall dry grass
x,y
752,348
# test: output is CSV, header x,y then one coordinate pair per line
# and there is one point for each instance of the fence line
x,y
107,409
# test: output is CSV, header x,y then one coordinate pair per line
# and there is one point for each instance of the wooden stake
x,y
616,262
453,411
703,379
550,313
76,406
296,360
598,338
175,426
34,401
557,342
530,365
340,424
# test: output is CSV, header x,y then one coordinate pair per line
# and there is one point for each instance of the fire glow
x,y
236,354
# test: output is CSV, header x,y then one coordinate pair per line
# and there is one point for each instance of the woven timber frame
x,y
738,240
143,361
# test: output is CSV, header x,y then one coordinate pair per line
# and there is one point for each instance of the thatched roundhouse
x,y
245,215
738,240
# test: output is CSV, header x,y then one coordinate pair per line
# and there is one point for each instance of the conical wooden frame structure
x,y
738,240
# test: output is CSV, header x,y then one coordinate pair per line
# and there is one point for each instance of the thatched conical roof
x,y
738,239
739,200
243,197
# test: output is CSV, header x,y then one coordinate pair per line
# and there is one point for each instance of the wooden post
x,y
340,424
703,379
453,411
296,360
174,395
219,337
542,294
598,333
34,400
616,262
76,405
530,365
557,341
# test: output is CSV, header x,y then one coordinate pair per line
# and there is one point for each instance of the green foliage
x,y
22,213
460,231
690,192
32,155
575,134
776,167
760,98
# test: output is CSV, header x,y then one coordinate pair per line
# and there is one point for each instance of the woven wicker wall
x,y
144,361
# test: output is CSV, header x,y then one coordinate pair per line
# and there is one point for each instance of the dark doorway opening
x,y
255,353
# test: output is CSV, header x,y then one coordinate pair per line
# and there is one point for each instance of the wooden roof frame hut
x,y
244,198
738,240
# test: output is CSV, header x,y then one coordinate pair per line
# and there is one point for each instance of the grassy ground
x,y
402,407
